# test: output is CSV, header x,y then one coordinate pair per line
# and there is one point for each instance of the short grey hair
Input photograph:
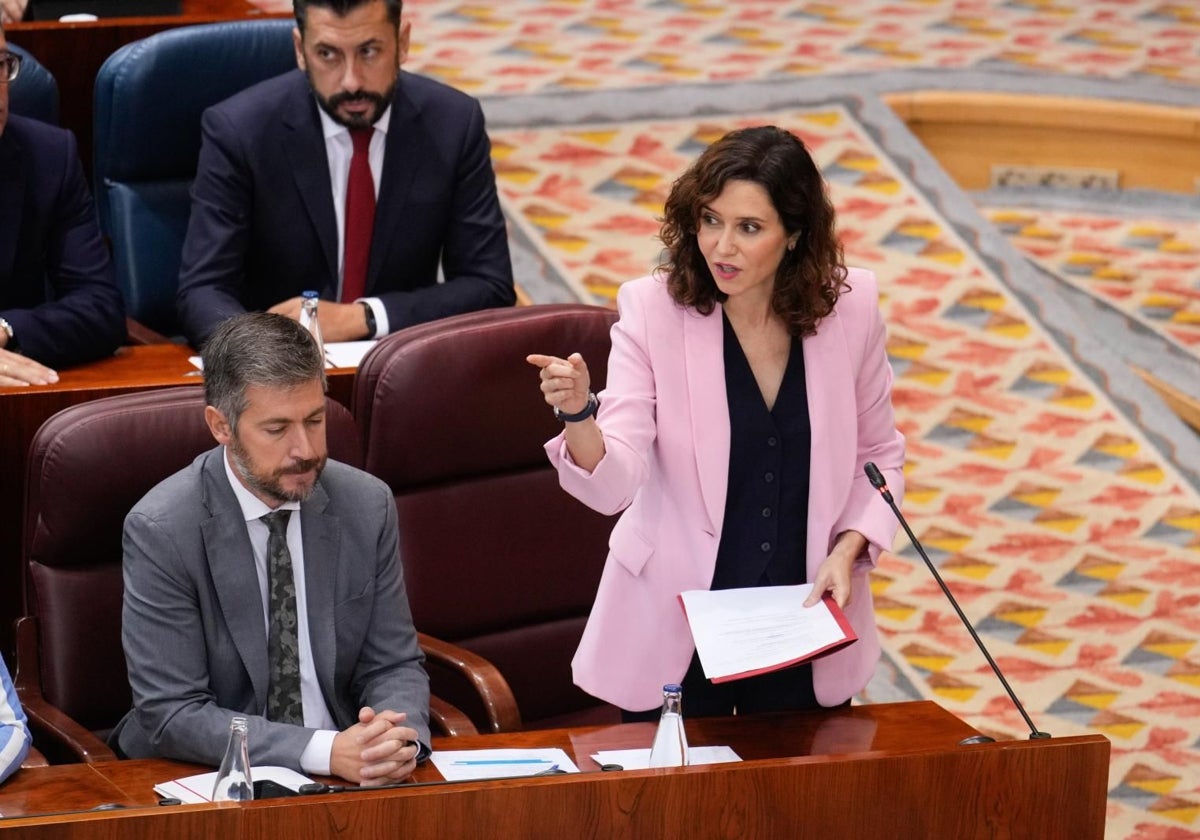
x,y
257,348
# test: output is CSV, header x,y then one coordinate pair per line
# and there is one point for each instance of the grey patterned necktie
x,y
283,644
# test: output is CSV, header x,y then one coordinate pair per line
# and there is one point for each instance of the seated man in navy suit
x,y
59,303
349,178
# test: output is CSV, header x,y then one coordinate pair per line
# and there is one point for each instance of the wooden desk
x,y
73,52
889,770
23,410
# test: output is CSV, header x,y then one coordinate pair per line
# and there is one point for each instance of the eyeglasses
x,y
10,67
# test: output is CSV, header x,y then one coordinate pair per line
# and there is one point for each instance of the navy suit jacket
x,y
56,282
262,227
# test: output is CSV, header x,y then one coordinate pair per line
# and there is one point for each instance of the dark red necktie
x,y
360,217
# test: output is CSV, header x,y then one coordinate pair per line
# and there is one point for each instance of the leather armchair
x,y
149,98
498,559
88,465
35,92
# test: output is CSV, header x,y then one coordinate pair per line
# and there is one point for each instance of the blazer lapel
x,y
704,359
832,403
322,544
404,147
231,564
13,178
304,144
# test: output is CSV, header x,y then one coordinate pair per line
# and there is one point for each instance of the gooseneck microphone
x,y
876,479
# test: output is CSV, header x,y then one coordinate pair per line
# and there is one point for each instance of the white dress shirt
x,y
339,149
315,758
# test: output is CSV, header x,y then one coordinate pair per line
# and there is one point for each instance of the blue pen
x,y
505,761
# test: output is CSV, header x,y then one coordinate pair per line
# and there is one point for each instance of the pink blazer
x,y
665,420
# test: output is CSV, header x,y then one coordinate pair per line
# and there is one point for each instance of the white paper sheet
x,y
741,632
191,790
346,354
338,354
463,765
640,759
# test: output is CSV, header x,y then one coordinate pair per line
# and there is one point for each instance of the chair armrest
x,y
44,718
489,684
138,333
34,759
448,719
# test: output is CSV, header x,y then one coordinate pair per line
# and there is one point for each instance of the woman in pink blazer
x,y
747,386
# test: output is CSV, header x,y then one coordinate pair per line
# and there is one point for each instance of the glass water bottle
x,y
233,778
670,747
308,319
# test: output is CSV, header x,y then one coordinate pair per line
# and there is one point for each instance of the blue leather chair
x,y
35,92
149,98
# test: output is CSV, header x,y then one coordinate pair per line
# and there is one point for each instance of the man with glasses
x,y
59,303
348,177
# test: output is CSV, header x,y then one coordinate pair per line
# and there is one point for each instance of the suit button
x,y
769,477
765,546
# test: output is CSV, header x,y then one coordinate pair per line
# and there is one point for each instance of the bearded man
x,y
347,177
264,581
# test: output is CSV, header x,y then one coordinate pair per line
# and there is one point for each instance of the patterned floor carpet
x,y
1058,496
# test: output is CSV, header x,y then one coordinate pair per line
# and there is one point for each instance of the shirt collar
x,y
252,506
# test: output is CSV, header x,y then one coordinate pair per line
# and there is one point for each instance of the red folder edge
x,y
843,623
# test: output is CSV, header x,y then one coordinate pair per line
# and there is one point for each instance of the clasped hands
x,y
339,321
375,751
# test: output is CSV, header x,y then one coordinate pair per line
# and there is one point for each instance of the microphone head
x,y
874,475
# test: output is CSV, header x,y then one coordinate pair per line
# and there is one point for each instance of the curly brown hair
x,y
811,277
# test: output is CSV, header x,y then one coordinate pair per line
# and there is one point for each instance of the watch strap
x,y
589,410
372,325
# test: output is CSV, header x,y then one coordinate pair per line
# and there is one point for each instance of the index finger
x,y
538,360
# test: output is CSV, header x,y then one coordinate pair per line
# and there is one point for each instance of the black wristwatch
x,y
372,326
589,410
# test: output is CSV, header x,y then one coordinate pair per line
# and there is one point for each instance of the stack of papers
x,y
191,790
744,632
338,354
464,765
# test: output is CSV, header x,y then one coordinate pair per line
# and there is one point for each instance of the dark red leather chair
x,y
498,559
88,465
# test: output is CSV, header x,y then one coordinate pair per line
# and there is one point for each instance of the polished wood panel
x,y
889,770
1151,146
24,409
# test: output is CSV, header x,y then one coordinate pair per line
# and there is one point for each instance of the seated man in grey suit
x,y
347,177
264,580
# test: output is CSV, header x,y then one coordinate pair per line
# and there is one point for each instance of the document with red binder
x,y
743,632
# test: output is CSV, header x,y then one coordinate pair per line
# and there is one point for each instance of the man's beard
x,y
330,106
271,486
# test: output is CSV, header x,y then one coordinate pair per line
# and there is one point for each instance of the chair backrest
x,y
497,557
35,92
88,465
149,98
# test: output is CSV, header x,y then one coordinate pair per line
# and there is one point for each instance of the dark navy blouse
x,y
766,509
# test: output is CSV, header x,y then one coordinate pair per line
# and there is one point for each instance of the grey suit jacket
x,y
193,626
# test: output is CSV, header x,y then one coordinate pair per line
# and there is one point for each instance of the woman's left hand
x,y
833,575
